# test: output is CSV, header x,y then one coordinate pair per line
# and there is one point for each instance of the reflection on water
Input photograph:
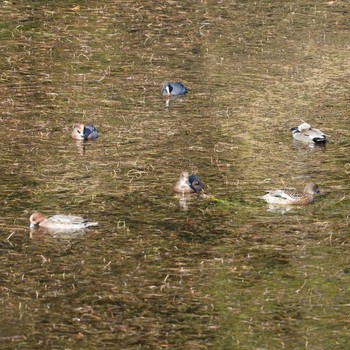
x,y
160,271
185,200
43,233
83,146
283,209
313,147
174,100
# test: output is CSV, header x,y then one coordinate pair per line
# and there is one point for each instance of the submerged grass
x,y
219,272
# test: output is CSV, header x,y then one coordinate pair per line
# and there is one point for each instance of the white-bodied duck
x,y
293,197
306,133
60,222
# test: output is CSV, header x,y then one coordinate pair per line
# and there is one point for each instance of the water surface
x,y
161,271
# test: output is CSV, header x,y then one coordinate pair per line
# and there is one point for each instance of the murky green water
x,y
220,275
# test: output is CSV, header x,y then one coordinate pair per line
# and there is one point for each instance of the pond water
x,y
163,272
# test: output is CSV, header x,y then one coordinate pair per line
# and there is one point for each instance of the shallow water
x,y
223,272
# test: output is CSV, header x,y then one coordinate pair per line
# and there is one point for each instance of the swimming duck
x,y
293,197
188,183
84,132
60,222
305,133
173,89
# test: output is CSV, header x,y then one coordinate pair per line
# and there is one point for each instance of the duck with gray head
x,y
188,183
173,89
84,132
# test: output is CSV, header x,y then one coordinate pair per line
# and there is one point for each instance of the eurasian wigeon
x,y
84,132
60,222
305,133
188,183
173,89
293,197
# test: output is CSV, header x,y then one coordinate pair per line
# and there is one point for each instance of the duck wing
x,y
66,219
316,135
286,194
70,221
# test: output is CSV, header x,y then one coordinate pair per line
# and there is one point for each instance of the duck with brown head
x,y
60,222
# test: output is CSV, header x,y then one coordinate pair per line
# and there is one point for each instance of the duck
x,y
305,133
173,89
60,222
84,132
188,183
292,196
